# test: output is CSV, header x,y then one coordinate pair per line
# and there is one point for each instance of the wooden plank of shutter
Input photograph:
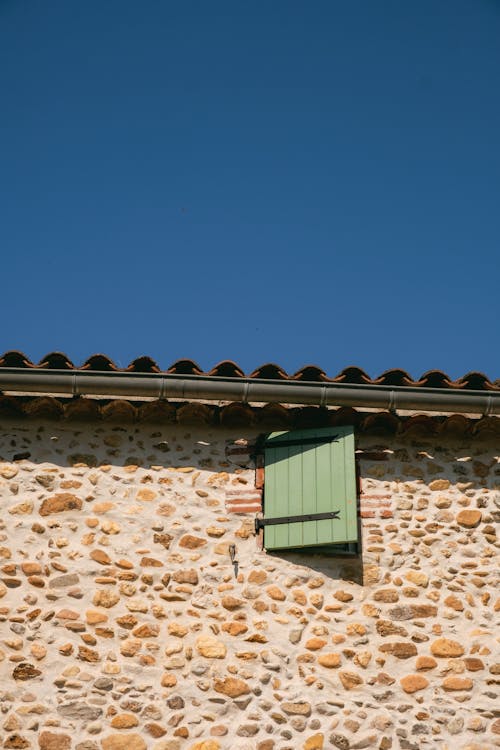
x,y
310,478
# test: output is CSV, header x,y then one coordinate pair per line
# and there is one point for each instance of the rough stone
x,y
350,680
231,686
444,647
60,503
129,741
413,682
192,542
330,661
210,647
52,741
399,650
469,518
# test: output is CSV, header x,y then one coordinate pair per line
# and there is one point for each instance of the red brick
x,y
243,508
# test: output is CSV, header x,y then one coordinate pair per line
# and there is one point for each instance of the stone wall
x,y
126,623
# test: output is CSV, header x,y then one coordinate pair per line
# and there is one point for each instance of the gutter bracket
x,y
392,403
162,395
489,407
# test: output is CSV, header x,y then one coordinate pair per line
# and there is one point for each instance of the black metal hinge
x,y
301,441
261,522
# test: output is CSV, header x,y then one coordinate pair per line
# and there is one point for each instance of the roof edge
x,y
166,386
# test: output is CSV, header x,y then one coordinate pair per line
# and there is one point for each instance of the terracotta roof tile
x,y
267,371
56,361
100,363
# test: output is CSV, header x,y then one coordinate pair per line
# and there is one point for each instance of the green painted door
x,y
310,471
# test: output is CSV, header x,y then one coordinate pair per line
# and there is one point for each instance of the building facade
x,y
141,607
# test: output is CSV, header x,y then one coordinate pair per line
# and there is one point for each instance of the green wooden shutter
x,y
304,476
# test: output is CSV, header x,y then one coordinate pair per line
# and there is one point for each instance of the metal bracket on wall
x,y
261,522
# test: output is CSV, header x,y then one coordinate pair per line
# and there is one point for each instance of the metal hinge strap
x,y
261,522
301,441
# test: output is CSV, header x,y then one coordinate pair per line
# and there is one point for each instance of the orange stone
x,y
469,518
60,503
457,683
413,682
124,721
330,661
231,686
100,556
425,662
444,647
191,542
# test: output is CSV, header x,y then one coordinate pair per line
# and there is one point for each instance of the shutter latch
x,y
261,522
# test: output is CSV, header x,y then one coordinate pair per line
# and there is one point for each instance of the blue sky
x,y
298,182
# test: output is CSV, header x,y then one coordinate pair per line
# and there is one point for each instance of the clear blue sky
x,y
298,182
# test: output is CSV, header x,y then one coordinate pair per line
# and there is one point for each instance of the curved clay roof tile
x,y
395,377
311,374
269,371
184,367
382,422
354,375
475,381
435,379
15,359
56,361
227,369
143,364
99,363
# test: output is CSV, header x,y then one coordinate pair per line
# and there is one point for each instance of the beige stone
x,y
411,683
129,741
52,741
418,578
186,576
105,598
300,708
350,680
386,595
274,592
210,647
362,659
22,509
110,527
38,650
206,745
93,616
438,485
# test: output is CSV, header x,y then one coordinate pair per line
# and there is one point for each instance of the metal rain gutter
x,y
246,390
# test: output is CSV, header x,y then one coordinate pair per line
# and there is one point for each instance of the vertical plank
x,y
310,478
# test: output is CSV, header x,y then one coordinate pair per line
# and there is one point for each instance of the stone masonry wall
x,y
126,622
